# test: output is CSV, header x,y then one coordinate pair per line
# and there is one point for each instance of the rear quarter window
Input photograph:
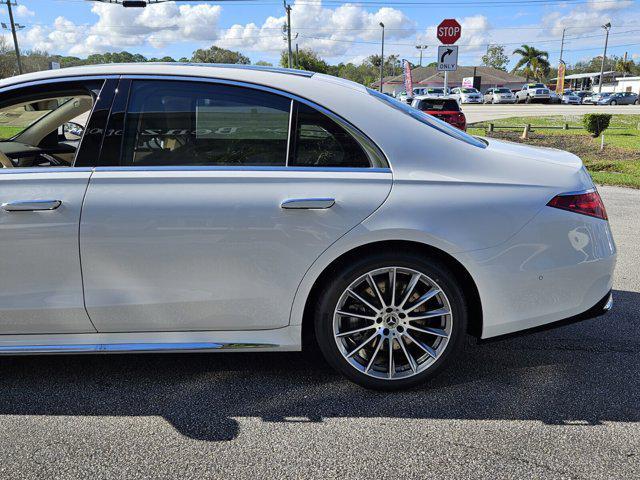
x,y
426,119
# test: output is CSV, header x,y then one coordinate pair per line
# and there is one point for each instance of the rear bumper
x,y
599,309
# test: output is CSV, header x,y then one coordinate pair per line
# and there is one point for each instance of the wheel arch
x,y
470,289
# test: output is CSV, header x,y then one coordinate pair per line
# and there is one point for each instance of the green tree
x,y
262,63
495,57
533,63
215,54
307,60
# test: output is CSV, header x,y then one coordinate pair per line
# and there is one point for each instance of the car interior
x,y
43,130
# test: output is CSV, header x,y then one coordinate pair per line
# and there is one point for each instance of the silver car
x,y
235,208
466,95
499,95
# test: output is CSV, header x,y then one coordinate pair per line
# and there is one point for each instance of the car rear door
x,y
41,283
222,197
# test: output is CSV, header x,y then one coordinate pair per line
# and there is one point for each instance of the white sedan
x,y
210,208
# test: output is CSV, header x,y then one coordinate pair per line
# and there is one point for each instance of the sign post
x,y
448,32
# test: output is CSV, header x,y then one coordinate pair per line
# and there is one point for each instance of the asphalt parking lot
x,y
559,404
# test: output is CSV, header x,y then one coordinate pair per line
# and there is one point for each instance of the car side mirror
x,y
72,131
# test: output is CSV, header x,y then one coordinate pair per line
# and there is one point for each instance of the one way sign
x,y
447,58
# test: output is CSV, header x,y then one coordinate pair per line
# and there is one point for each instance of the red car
x,y
446,109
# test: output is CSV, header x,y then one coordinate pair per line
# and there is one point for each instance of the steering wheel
x,y
5,161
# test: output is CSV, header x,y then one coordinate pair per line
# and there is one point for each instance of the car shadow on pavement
x,y
584,374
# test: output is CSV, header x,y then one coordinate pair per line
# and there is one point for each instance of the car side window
x,y
321,142
172,123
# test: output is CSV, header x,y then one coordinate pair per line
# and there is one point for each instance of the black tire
x,y
637,102
329,297
613,102
528,99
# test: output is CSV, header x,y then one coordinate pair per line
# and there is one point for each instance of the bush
x,y
596,123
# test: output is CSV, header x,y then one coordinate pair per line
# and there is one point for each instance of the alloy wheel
x,y
392,323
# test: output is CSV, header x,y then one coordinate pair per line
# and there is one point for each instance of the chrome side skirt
x,y
129,348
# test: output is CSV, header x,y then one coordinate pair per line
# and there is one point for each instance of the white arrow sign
x,y
447,58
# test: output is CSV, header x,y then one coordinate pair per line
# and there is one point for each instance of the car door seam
x,y
84,295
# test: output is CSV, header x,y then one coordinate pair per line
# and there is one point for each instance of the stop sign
x,y
449,31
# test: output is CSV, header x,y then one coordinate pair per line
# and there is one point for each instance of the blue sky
x,y
338,31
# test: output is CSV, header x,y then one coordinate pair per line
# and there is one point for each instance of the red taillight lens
x,y
588,203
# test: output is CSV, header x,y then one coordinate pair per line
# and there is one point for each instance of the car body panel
x,y
41,285
210,249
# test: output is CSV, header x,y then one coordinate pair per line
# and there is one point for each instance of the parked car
x,y
431,91
533,92
237,208
554,97
466,95
404,97
499,95
596,97
583,94
619,98
446,109
570,98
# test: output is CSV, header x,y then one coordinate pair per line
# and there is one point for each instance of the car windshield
x,y
536,85
468,90
441,105
435,90
426,119
17,118
502,90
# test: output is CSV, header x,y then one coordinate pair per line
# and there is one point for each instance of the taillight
x,y
587,203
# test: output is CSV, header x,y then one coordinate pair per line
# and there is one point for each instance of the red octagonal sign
x,y
449,31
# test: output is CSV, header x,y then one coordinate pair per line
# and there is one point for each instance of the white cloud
x,y
330,32
120,28
23,12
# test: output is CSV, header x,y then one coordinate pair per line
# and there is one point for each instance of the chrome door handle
x,y
308,203
31,205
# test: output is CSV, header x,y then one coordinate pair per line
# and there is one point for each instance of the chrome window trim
x,y
191,168
376,157
17,170
46,81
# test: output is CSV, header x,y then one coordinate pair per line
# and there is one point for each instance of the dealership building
x,y
489,77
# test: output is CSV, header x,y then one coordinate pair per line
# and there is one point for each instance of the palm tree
x,y
626,67
534,61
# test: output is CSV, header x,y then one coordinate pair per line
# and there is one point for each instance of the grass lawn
x,y
617,164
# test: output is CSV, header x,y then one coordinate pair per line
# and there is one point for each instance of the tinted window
x,y
180,123
439,105
321,142
429,120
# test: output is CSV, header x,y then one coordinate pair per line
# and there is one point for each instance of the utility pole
x,y
562,44
624,73
297,56
15,37
421,48
382,57
288,9
607,27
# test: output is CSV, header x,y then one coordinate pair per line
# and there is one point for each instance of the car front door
x,y
224,195
41,195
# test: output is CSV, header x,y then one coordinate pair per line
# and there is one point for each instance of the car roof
x,y
432,97
249,73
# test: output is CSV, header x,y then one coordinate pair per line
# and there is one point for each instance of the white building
x,y
628,84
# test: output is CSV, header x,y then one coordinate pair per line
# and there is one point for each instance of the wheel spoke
x,y
432,314
409,290
358,297
424,298
359,347
374,285
431,331
355,315
357,330
426,348
406,354
392,283
373,356
391,366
